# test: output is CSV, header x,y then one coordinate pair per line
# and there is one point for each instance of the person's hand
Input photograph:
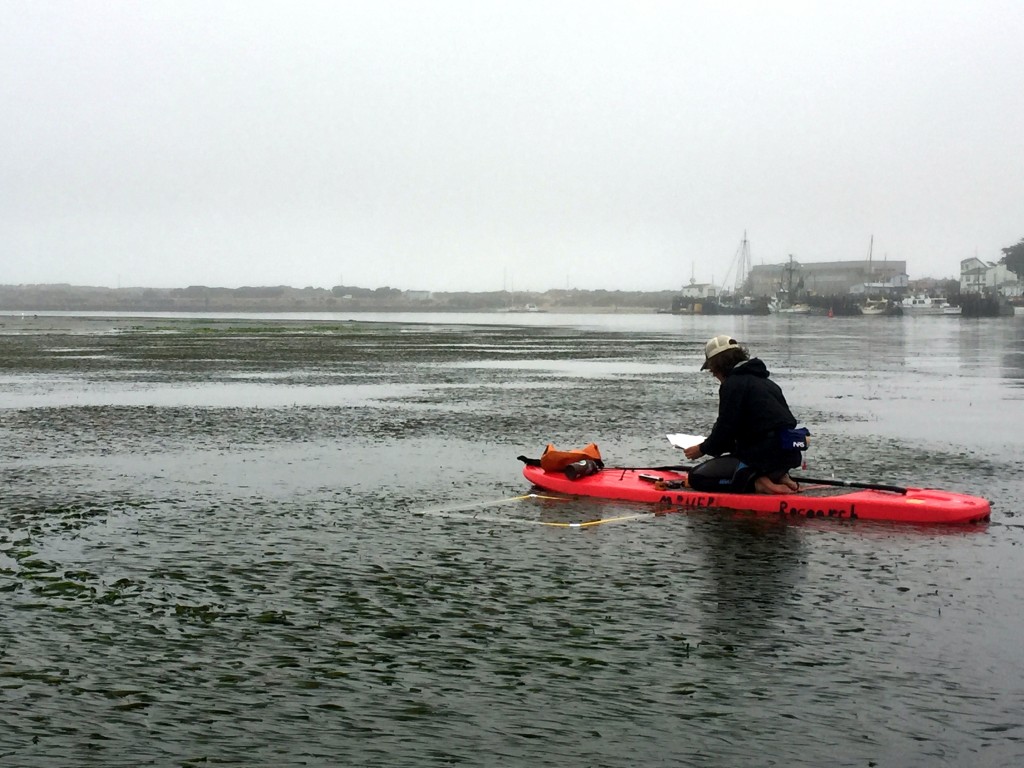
x,y
693,452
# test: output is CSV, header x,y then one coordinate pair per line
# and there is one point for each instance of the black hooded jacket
x,y
752,411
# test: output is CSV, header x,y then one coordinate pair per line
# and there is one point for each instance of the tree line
x,y
1013,258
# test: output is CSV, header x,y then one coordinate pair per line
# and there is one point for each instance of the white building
x,y
697,290
977,276
828,278
893,286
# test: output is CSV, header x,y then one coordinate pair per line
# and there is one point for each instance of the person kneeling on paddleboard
x,y
754,440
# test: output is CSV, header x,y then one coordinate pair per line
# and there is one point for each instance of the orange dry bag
x,y
553,460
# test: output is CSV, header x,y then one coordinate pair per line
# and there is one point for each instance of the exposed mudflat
x,y
270,542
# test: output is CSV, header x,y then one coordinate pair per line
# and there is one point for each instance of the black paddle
x,y
810,480
673,468
848,484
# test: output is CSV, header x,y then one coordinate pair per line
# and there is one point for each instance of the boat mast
x,y
740,263
871,272
744,267
789,289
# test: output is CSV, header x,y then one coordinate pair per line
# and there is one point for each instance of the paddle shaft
x,y
674,468
813,480
848,484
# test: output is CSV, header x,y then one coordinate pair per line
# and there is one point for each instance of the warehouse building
x,y
828,278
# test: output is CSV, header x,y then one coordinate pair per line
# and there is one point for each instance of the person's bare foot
x,y
790,483
764,484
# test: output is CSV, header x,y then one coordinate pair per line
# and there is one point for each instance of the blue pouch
x,y
794,439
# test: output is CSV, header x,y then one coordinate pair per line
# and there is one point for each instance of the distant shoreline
x,y
68,298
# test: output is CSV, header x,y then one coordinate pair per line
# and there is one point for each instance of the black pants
x,y
727,474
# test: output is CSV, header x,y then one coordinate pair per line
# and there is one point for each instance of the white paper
x,y
680,440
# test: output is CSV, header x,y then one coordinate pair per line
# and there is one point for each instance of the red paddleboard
x,y
916,505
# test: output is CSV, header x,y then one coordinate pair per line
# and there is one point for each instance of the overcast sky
x,y
502,145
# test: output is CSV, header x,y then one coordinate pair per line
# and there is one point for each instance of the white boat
x,y
922,304
779,308
874,307
782,302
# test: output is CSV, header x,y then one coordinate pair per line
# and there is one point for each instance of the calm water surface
x,y
302,540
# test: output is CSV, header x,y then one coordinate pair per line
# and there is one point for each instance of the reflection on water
x,y
1013,352
754,569
215,548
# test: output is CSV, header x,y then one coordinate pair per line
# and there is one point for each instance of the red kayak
x,y
816,498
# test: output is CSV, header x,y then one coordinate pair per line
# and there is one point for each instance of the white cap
x,y
718,345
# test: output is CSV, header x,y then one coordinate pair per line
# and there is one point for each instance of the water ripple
x,y
366,583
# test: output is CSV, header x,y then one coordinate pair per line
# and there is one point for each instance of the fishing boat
x,y
779,305
817,498
874,307
923,304
705,299
783,302
876,295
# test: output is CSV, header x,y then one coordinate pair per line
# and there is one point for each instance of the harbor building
x,y
827,278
